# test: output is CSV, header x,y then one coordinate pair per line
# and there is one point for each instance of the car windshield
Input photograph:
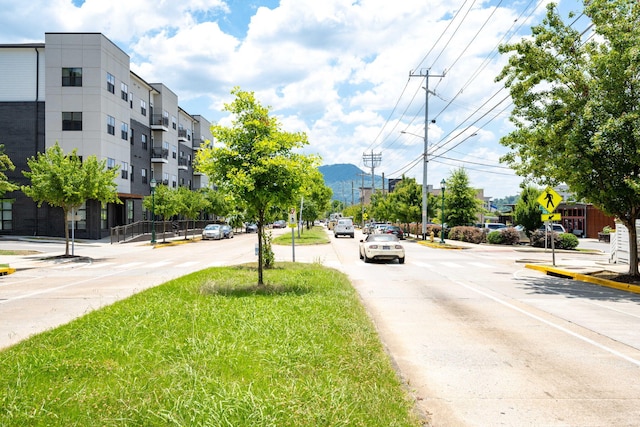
x,y
212,227
382,238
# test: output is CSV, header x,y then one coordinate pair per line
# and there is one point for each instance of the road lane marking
x,y
549,323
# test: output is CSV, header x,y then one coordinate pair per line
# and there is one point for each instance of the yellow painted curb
x,y
6,270
586,278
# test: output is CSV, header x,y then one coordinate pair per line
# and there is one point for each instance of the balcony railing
x,y
159,153
159,120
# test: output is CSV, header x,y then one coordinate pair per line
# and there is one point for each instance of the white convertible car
x,y
381,247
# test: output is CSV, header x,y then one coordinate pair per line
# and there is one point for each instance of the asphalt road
x,y
479,340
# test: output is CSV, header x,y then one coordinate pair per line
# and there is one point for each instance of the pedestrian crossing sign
x,y
549,199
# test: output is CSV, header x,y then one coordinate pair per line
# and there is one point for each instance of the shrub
x,y
560,241
568,241
495,237
510,236
467,234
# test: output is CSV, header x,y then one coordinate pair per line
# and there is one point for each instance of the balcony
x,y
183,163
159,155
183,136
159,122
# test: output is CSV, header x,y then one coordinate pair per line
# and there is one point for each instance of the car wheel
x,y
401,260
360,254
352,236
367,259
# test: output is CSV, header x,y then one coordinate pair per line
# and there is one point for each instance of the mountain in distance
x,y
345,180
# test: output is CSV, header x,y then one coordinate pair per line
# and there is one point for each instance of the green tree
x,y
461,204
317,197
527,211
407,201
165,204
66,181
190,204
6,164
256,161
576,109
215,203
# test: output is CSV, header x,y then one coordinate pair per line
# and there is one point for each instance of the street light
x,y
153,210
442,183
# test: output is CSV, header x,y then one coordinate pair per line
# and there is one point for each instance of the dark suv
x,y
394,229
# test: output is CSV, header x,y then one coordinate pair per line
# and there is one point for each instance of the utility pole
x,y
372,161
425,198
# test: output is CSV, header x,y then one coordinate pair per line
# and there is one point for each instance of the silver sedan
x,y
381,247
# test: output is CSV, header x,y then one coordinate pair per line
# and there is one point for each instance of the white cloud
x,y
335,69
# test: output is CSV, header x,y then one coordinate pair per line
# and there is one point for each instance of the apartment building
x,y
77,89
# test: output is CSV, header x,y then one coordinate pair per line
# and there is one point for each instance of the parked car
x,y
251,228
395,230
227,231
281,223
381,247
491,226
212,231
344,227
558,228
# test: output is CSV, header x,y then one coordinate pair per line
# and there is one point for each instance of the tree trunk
x,y
66,232
633,246
260,236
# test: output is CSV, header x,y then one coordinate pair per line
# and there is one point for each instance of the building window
x,y
173,123
132,136
103,216
71,121
124,131
129,211
111,125
131,100
144,141
174,181
6,215
143,107
143,174
124,91
174,151
111,83
80,220
124,170
111,163
131,172
72,77
165,178
165,146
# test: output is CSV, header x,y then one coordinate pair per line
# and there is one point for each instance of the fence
x,y
142,230
619,244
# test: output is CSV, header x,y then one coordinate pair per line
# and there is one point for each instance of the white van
x,y
344,227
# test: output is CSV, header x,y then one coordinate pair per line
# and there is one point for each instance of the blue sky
x,y
335,69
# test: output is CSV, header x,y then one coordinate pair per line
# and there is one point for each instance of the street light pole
x,y
153,210
442,183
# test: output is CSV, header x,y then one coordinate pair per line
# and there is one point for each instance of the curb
x,y
554,271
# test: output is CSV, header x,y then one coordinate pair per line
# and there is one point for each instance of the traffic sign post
x,y
549,201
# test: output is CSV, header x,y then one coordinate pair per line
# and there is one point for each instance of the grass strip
x,y
313,236
212,349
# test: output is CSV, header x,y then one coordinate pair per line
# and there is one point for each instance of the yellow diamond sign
x,y
549,199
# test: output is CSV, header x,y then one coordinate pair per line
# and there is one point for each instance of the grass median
x,y
312,236
212,349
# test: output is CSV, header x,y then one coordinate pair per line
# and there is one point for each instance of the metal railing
x,y
141,230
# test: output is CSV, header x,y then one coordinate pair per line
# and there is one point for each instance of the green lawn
x,y
314,236
210,349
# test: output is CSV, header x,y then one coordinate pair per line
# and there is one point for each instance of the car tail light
x,y
373,246
398,246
